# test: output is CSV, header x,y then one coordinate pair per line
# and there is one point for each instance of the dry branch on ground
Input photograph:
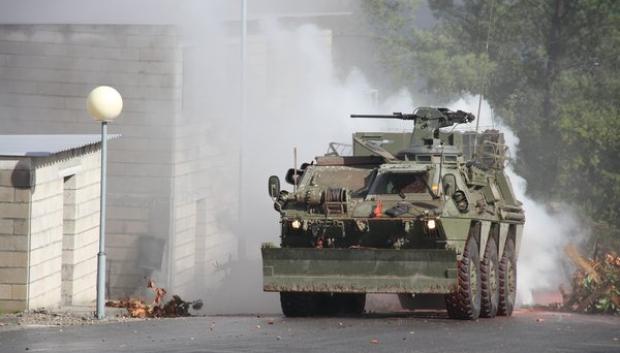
x,y
595,283
138,308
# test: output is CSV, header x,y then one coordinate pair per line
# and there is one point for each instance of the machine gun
x,y
427,121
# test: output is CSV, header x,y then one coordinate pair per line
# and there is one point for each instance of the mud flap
x,y
358,270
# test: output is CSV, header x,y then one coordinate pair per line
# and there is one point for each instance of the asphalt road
x,y
524,332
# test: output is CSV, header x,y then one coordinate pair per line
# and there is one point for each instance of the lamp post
x,y
104,104
241,246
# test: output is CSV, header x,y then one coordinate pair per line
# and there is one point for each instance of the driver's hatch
x,y
401,184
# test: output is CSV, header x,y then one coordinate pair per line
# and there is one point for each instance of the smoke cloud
x,y
305,106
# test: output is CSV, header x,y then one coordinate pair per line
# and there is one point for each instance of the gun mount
x,y
427,122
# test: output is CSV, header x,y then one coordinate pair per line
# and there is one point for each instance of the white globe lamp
x,y
104,104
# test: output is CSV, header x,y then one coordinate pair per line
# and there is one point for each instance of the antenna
x,y
440,178
295,168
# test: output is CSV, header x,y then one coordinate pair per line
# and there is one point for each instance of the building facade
x,y
49,220
158,216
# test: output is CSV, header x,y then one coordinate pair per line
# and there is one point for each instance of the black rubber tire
x,y
299,304
507,280
350,303
406,301
464,302
489,280
342,304
422,301
327,304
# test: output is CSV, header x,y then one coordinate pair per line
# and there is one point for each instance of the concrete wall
x,y
46,72
50,229
81,232
205,200
14,228
64,230
166,162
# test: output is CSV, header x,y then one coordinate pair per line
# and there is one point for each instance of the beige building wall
x,y
14,228
46,72
50,230
81,232
46,232
205,198
166,163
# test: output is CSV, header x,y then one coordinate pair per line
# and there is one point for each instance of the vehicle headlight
x,y
296,224
431,224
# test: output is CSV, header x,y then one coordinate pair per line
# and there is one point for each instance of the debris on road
x,y
42,317
137,308
595,283
160,293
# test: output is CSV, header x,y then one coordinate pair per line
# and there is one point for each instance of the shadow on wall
x,y
22,178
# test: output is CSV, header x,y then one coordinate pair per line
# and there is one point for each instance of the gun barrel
x,y
443,116
374,116
398,116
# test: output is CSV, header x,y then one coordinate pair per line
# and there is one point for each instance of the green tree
x,y
550,69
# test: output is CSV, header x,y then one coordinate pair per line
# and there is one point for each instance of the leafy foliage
x,y
550,69
595,283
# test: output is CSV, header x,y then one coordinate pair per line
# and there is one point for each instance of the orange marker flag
x,y
378,211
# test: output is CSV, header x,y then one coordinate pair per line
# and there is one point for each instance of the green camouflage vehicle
x,y
428,213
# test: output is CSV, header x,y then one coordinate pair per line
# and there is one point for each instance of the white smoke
x,y
306,106
541,265
294,99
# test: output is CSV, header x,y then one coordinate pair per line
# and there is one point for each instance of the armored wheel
x,y
507,280
299,304
464,302
489,280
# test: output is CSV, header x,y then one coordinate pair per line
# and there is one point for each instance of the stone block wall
x,y
81,232
49,219
46,235
46,72
205,205
14,227
166,162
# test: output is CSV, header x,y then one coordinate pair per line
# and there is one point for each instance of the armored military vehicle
x,y
427,213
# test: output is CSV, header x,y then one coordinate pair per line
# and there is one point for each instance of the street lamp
x,y
104,104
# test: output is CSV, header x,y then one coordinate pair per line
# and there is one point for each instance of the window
x,y
396,183
354,179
